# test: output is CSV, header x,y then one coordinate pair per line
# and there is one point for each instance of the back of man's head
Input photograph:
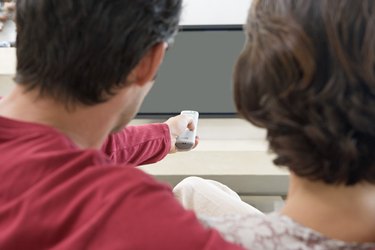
x,y
79,51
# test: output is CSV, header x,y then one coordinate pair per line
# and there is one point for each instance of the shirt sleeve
x,y
138,145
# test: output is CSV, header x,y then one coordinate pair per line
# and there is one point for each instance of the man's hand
x,y
177,125
8,9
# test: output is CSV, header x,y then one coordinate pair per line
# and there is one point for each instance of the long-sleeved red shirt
x,y
54,195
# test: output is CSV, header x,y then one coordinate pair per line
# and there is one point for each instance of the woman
x,y
307,75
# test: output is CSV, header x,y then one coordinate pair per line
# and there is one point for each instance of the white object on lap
x,y
211,198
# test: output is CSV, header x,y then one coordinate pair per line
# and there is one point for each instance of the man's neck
x,y
86,126
339,212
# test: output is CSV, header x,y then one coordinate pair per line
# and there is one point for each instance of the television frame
x,y
189,28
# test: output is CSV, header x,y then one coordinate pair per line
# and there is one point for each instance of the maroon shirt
x,y
54,195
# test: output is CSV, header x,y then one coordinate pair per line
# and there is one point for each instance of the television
x,y
196,73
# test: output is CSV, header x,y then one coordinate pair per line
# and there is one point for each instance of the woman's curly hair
x,y
307,75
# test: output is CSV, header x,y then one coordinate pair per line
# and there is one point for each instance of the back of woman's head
x,y
307,75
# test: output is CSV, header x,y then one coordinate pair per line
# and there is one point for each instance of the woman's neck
x,y
338,212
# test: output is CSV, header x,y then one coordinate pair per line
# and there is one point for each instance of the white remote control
x,y
187,139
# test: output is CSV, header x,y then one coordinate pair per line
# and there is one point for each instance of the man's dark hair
x,y
80,51
307,75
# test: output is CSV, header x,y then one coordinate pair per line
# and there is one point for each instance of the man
x,y
83,69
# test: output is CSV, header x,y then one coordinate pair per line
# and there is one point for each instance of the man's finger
x,y
196,142
3,18
190,122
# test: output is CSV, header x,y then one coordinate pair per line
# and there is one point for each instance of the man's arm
x,y
146,144
139,145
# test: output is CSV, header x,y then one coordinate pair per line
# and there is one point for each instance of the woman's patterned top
x,y
276,232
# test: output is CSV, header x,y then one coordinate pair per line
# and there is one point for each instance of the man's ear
x,y
147,68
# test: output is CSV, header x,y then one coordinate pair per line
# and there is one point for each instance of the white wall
x,y
195,12
7,69
214,12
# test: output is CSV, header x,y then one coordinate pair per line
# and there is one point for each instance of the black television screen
x,y
196,73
